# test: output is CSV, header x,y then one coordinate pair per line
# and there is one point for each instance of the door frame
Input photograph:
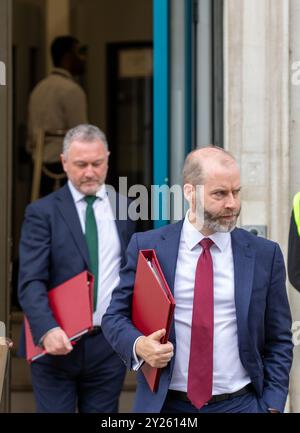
x,y
5,179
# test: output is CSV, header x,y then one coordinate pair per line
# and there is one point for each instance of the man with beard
x,y
74,229
230,346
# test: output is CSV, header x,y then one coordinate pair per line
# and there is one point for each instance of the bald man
x,y
230,346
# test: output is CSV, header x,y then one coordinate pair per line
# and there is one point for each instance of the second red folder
x,y
72,306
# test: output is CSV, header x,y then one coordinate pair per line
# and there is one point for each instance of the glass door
x,y
130,119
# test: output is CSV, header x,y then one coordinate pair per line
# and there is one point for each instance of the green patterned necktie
x,y
91,235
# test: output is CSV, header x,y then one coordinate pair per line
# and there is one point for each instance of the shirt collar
x,y
61,71
192,236
78,196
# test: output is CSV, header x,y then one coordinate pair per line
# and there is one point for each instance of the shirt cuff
x,y
138,362
41,342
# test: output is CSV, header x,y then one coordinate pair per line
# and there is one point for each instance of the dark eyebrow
x,y
220,189
223,189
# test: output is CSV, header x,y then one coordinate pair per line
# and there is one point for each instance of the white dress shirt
x,y
57,103
108,243
229,374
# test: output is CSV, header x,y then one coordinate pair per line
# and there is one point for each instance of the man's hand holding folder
x,y
153,351
56,342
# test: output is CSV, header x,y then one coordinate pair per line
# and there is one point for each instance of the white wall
x,y
257,119
257,109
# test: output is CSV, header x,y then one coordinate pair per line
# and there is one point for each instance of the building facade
x,y
225,72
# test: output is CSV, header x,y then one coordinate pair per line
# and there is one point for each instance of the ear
x,y
189,193
63,162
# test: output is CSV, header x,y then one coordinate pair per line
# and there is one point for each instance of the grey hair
x,y
193,169
86,133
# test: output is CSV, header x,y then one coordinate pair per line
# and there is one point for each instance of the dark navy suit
x,y
52,250
263,314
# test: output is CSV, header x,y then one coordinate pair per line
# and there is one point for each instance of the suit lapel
x,y
119,207
120,216
244,260
67,208
167,251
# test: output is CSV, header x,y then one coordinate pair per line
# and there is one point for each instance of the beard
x,y
216,222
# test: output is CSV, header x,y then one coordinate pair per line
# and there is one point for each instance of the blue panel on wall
x,y
188,76
161,104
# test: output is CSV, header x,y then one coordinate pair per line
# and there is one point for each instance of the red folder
x,y
72,306
152,305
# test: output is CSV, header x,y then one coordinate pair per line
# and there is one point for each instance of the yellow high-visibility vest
x,y
296,210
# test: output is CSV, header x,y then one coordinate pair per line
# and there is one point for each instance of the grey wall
x,y
98,22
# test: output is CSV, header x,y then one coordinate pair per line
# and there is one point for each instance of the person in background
x,y
294,244
74,229
230,346
57,103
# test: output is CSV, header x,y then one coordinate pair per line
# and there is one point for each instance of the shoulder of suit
x,y
44,202
161,231
122,198
254,240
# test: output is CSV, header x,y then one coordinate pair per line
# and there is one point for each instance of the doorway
x,y
130,116
131,27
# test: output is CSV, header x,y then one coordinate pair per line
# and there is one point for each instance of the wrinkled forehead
x,y
81,148
221,171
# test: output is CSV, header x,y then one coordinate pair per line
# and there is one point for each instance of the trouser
x,y
247,403
88,379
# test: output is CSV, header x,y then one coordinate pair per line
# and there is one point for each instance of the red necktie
x,y
200,374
